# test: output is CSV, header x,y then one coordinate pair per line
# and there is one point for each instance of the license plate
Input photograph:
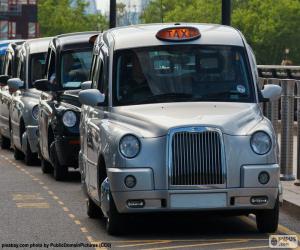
x,y
215,200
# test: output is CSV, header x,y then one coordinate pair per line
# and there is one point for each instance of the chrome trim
x,y
190,151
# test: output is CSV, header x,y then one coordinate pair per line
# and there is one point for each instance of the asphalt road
x,y
35,209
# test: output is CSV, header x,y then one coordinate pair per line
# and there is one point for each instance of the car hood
x,y
153,120
70,98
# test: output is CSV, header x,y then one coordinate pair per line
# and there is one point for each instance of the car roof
x,y
39,45
67,41
145,35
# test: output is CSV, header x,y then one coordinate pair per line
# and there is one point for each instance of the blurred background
x,y
272,27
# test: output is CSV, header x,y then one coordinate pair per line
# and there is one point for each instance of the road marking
x,y
60,202
55,197
50,192
23,197
42,183
245,248
198,245
83,229
33,205
147,243
45,187
77,222
66,209
72,216
92,241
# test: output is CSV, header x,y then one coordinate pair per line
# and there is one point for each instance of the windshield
x,y
75,68
181,73
37,67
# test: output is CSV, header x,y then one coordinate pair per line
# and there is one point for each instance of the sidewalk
x,y
291,197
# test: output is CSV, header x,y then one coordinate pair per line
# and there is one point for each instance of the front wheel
x,y
29,157
60,172
18,154
93,211
267,220
114,220
5,142
46,166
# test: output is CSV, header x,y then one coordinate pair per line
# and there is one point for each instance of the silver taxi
x,y
173,124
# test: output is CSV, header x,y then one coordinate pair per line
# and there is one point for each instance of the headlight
x,y
261,143
35,112
69,119
129,146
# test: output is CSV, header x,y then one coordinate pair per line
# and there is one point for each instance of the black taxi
x,y
67,66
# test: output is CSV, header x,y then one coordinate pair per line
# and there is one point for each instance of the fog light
x,y
259,200
130,181
135,203
263,177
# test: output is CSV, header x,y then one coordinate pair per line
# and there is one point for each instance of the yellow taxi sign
x,y
178,34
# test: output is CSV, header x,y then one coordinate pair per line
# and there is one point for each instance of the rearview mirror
x,y
91,97
86,85
3,80
42,85
271,92
15,84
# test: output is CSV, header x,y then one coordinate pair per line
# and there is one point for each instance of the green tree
x,y
60,16
269,26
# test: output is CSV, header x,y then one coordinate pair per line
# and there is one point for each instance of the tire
x,y
46,166
93,211
114,221
267,220
29,157
60,172
18,154
5,142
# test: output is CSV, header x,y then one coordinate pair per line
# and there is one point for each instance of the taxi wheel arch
x,y
29,157
5,142
93,210
114,220
18,154
59,172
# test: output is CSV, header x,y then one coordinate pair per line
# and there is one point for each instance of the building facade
x,y
18,19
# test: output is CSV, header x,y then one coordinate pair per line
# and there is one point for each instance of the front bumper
x,y
67,149
32,135
193,199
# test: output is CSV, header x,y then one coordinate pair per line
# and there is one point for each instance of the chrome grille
x,y
196,157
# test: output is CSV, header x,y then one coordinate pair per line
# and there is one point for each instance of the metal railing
x,y
284,114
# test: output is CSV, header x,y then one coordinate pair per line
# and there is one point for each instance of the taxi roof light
x,y
178,34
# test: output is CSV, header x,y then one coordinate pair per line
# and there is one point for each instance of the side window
x,y
51,68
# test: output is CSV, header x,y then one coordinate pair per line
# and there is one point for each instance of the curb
x,y
291,208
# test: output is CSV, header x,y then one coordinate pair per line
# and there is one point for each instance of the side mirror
x,y
86,85
91,97
42,85
271,92
15,84
3,80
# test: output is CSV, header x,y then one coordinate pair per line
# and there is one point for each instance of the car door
x,y
16,102
45,109
93,124
6,98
